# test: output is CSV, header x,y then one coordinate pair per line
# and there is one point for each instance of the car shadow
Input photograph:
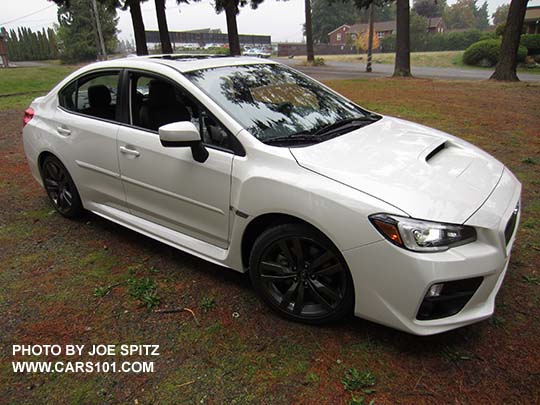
x,y
456,341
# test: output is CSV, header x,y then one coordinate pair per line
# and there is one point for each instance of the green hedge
x,y
455,41
532,43
451,41
486,53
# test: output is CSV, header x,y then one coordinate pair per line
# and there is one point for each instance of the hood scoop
x,y
438,149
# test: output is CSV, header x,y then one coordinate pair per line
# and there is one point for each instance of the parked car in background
x,y
257,52
249,164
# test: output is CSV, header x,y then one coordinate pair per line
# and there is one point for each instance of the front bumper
x,y
391,283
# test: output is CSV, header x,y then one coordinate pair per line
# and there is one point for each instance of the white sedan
x,y
251,165
258,53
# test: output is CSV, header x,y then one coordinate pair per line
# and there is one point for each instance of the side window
x,y
93,95
68,97
213,133
155,102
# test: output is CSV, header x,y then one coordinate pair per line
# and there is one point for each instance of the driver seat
x,y
162,106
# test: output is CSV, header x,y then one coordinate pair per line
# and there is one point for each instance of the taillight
x,y
28,115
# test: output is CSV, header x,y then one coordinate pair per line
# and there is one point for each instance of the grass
x,y
19,86
355,380
143,289
208,303
436,59
425,59
445,59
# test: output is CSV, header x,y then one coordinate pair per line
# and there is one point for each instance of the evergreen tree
x,y
481,16
76,31
384,11
324,22
24,44
429,8
53,46
499,16
461,15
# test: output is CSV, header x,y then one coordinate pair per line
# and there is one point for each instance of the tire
x,y
313,287
60,188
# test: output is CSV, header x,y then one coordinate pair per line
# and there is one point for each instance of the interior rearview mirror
x,y
183,134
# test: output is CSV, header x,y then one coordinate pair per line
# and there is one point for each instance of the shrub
x,y
486,53
318,61
451,41
388,43
531,42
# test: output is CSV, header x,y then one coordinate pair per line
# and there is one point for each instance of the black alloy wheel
x,y
60,188
301,274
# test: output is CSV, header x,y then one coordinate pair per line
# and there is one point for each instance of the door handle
x,y
63,131
128,151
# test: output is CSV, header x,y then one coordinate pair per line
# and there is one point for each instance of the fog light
x,y
435,290
448,298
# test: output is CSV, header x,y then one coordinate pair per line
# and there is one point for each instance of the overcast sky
x,y
281,19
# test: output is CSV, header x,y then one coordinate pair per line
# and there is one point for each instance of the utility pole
x,y
100,33
370,38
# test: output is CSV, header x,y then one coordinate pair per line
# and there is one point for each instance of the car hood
x,y
424,172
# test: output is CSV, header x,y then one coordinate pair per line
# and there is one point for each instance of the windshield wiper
x,y
356,122
299,137
324,133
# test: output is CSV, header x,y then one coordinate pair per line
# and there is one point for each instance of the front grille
x,y
511,224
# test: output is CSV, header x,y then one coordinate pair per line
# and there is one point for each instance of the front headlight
x,y
422,236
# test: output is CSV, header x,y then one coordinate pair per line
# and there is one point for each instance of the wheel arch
x,y
41,159
264,221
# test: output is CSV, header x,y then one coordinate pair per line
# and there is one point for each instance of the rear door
x,y
166,185
87,120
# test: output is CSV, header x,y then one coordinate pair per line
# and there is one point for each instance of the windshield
x,y
273,101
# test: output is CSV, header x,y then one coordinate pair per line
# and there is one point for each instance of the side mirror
x,y
183,134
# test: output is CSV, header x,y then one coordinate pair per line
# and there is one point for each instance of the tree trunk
x,y
164,38
309,33
402,68
506,66
231,10
138,27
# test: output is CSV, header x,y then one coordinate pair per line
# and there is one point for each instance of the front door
x,y
166,185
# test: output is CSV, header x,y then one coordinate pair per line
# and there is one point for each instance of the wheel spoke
x,y
287,297
324,290
273,268
68,197
286,251
318,297
56,171
62,177
49,172
321,260
328,271
276,277
62,201
298,250
299,302
51,185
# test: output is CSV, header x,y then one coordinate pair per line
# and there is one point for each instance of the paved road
x,y
349,70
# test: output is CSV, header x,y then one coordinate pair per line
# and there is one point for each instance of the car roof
x,y
187,64
183,62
